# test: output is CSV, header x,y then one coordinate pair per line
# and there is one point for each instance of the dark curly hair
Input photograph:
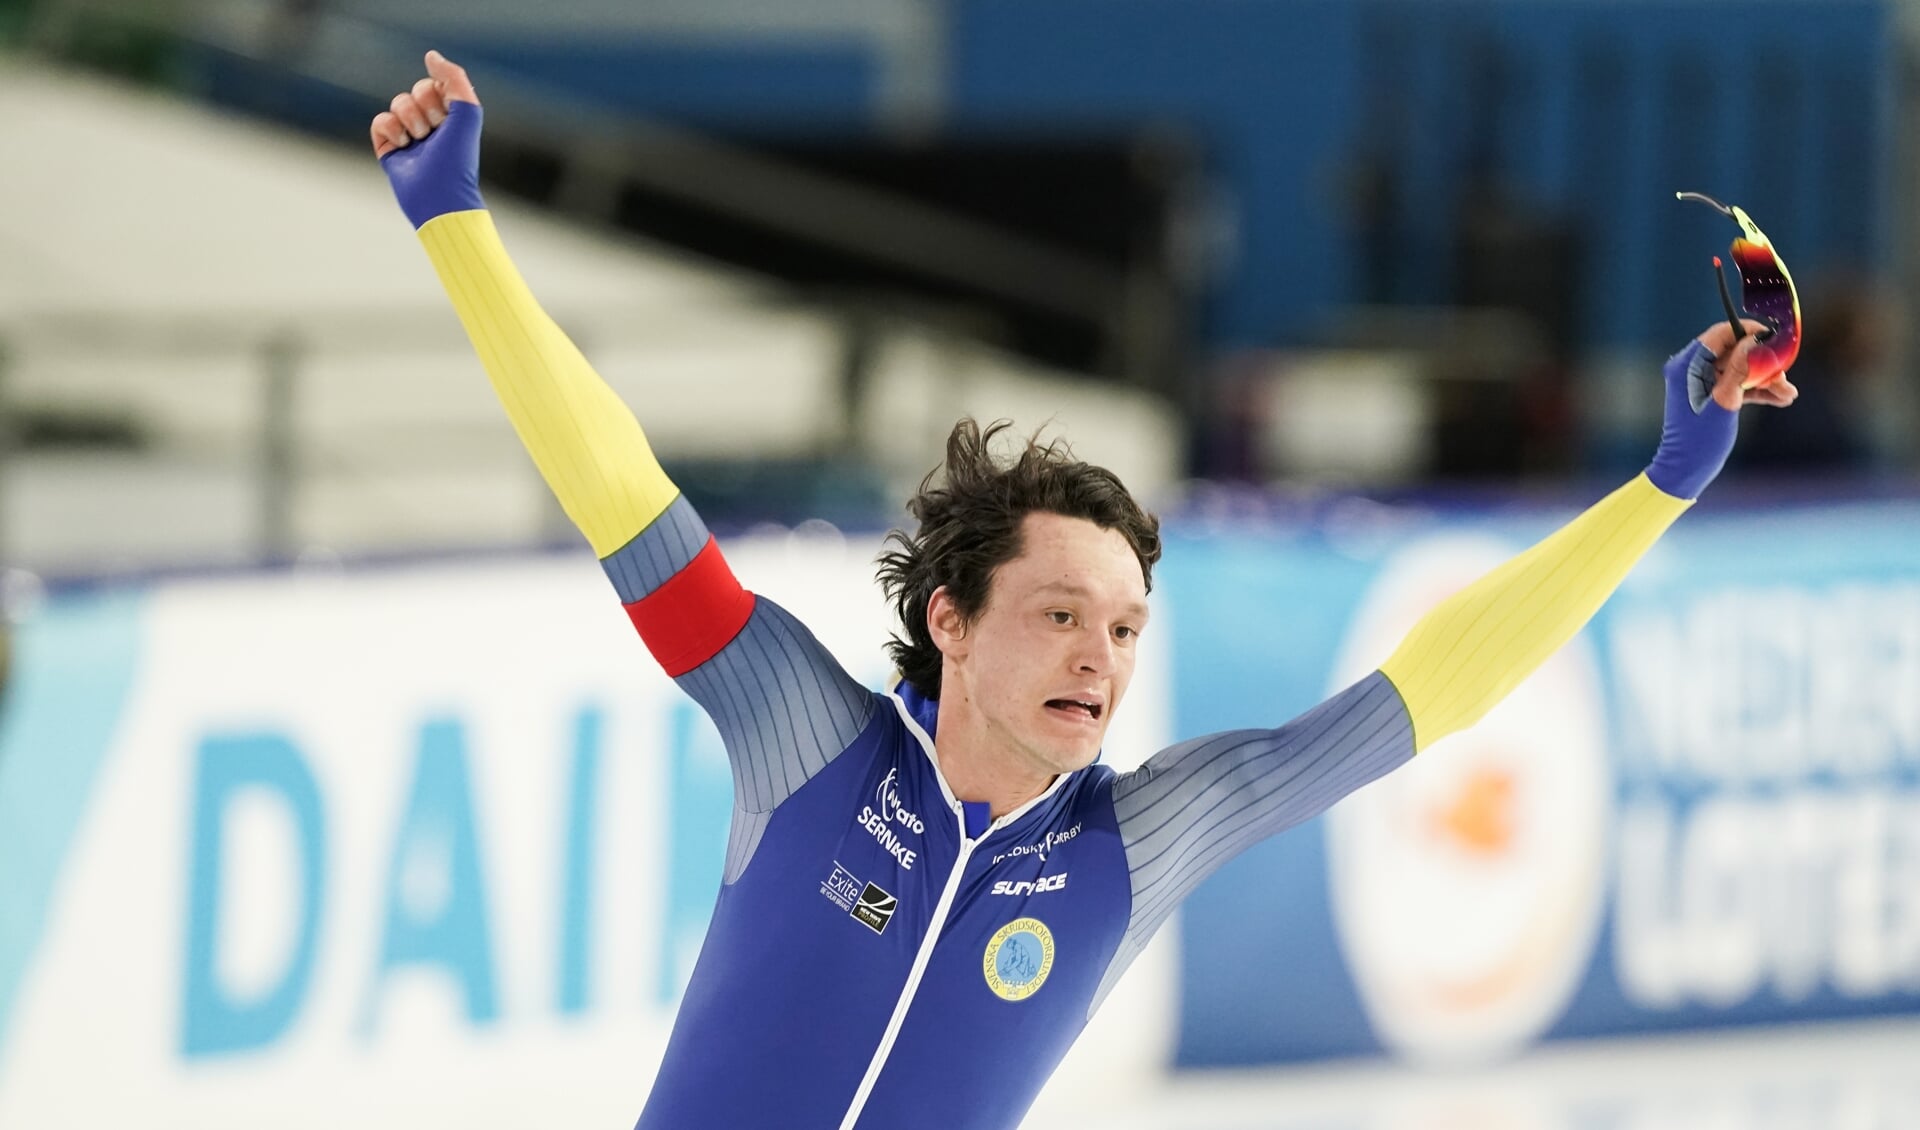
x,y
970,526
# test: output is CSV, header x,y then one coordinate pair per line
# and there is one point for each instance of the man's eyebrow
x,y
1137,609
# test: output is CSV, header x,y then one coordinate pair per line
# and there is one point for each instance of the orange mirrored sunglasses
x,y
1767,290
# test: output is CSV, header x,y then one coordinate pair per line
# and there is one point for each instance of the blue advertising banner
x,y
338,834
1705,811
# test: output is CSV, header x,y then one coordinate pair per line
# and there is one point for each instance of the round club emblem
x,y
1508,818
1019,957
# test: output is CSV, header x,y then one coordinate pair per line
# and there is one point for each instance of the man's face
x,y
1045,663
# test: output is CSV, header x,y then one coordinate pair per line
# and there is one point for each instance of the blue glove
x,y
441,172
1697,436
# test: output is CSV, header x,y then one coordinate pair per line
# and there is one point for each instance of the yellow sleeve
x,y
1468,653
584,439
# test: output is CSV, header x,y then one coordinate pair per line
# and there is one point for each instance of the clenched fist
x,y
415,113
428,144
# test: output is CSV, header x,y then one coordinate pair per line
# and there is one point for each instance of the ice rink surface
x,y
1861,1075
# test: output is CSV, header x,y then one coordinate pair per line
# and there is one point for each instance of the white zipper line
x,y
940,911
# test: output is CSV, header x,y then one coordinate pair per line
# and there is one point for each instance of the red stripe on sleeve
x,y
695,613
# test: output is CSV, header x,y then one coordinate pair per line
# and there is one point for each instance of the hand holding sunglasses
x,y
1740,361
1771,318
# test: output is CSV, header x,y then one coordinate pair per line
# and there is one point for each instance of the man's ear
x,y
946,625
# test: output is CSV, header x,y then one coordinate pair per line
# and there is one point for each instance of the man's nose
x,y
1095,654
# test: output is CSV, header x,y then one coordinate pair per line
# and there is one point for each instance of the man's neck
x,y
978,767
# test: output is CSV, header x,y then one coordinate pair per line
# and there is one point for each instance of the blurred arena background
x,y
334,790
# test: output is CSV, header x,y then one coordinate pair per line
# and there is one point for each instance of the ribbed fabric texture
x,y
1467,654
743,839
1195,805
698,611
656,553
783,704
584,439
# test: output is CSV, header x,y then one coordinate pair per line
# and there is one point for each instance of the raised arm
x,y
583,438
1195,805
1472,650
749,663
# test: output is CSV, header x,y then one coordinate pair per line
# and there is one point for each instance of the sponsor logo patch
x,y
875,908
841,888
1038,886
1040,847
1019,956
887,798
890,821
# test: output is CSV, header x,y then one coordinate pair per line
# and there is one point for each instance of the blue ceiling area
x,y
1346,141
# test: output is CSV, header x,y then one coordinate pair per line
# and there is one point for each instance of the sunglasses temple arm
x,y
1726,301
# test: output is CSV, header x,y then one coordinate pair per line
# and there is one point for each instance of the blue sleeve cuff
x,y
1698,434
440,174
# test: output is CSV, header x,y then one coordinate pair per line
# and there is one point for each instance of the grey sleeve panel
x,y
785,707
743,839
1195,805
657,552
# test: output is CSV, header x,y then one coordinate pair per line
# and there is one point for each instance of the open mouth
x,y
1076,708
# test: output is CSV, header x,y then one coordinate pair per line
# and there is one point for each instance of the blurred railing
x,y
130,441
321,66
136,443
